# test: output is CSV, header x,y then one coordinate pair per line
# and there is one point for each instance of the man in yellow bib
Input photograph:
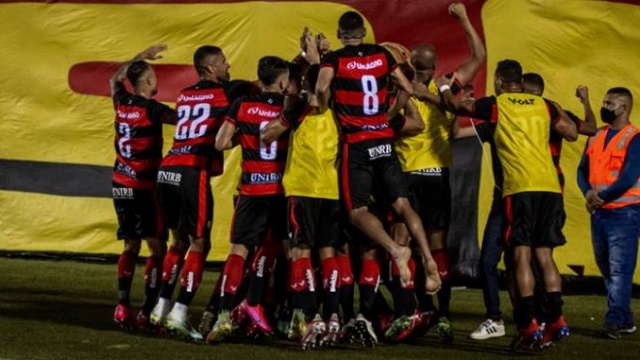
x,y
533,202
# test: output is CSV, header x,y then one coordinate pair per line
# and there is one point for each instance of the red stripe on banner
x,y
508,210
407,29
202,204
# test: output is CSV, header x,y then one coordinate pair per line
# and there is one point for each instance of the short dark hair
x,y
135,70
312,76
201,54
534,80
270,67
350,21
510,71
620,91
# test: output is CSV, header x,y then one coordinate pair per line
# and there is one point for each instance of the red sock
x,y
370,274
192,272
171,265
441,257
232,275
304,274
127,265
330,275
266,256
344,269
152,272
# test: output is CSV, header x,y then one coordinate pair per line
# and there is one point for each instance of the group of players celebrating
x,y
345,161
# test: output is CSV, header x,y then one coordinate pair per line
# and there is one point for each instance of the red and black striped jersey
x,y
262,164
360,90
138,140
201,110
555,144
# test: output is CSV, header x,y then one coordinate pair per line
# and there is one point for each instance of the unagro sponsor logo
x,y
360,66
128,115
195,97
168,177
266,113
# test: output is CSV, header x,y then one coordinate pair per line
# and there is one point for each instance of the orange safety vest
x,y
605,164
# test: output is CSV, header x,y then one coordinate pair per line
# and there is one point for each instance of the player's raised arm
x,y
151,53
468,70
588,126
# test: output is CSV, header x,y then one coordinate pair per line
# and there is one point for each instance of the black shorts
x,y
139,215
254,215
534,219
314,222
430,196
187,202
366,163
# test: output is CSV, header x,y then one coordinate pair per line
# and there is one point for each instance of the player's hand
x,y
582,92
303,38
593,200
458,11
153,52
323,44
311,53
312,100
467,93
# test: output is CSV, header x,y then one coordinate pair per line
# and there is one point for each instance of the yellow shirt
x,y
431,147
522,142
311,165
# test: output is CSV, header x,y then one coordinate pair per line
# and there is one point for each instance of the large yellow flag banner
x,y
56,118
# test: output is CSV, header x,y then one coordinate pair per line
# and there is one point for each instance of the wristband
x,y
444,88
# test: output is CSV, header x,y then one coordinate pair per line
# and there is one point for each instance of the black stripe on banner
x,y
55,178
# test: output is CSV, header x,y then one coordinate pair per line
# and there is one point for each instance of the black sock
x,y
554,306
346,302
525,311
367,299
444,299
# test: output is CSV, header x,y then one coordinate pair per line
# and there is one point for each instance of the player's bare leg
x,y
369,225
402,207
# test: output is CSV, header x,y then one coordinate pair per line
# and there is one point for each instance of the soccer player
x,y
492,245
261,204
138,145
311,186
183,182
531,191
356,77
426,158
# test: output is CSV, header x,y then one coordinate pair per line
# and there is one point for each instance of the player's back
x,y
360,90
262,164
138,140
201,109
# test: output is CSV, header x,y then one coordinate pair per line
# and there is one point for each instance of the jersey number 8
x,y
370,101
